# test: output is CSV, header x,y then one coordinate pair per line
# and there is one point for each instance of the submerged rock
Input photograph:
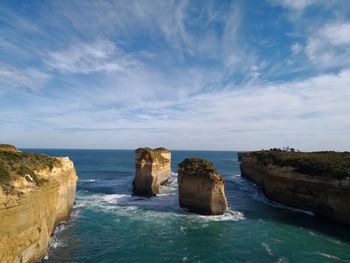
x,y
201,188
315,181
153,168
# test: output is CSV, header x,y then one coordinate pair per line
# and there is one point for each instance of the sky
x,y
200,75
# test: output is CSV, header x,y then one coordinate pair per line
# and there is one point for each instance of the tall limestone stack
x,y
153,168
201,188
36,193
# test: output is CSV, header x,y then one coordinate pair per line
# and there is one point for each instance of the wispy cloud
x,y
27,77
296,48
330,45
297,5
86,58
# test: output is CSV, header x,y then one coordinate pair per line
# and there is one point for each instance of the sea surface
x,y
110,225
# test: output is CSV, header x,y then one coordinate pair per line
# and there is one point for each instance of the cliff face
x,y
201,188
29,210
153,168
324,195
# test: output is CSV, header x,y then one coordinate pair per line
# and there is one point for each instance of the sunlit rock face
x,y
283,178
33,200
152,169
201,188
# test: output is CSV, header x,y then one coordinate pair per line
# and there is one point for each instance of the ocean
x,y
110,225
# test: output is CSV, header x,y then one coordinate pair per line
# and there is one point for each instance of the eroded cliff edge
x,y
317,181
36,193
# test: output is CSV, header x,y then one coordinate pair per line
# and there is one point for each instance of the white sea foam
x,y
163,206
267,248
282,260
173,173
229,215
327,255
87,180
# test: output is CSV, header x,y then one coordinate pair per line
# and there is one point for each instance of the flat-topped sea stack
x,y
314,181
153,168
201,188
37,192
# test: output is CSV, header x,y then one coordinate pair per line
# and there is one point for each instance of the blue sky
x,y
208,75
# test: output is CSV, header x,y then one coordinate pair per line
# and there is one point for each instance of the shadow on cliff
x,y
264,209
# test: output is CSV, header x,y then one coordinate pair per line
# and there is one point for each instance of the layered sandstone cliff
x,y
201,188
152,169
36,193
317,182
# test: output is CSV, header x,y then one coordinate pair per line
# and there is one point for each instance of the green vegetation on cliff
x,y
197,166
328,164
155,154
14,163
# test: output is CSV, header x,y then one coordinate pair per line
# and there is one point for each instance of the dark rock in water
x,y
201,188
152,170
315,181
240,155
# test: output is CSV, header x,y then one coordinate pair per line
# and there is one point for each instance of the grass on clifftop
x,y
328,164
197,166
156,154
14,163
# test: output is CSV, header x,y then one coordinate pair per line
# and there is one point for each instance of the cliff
x,y
201,188
152,169
318,182
36,193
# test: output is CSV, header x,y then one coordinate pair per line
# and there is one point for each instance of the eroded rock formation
x,y
317,182
153,168
201,188
36,193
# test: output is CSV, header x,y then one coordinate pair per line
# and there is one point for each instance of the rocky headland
x,y
201,188
315,181
37,192
152,169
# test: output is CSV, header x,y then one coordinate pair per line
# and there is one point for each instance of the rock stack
x,y
201,188
152,170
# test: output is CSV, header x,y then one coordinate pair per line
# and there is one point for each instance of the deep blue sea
x,y
110,225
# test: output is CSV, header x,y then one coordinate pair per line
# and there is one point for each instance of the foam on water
x,y
87,180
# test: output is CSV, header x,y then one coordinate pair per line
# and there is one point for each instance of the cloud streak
x,y
209,75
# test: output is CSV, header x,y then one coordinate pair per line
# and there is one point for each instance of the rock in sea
x,y
153,168
201,188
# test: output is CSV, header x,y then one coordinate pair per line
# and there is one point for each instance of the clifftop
x,y
324,164
16,166
197,166
155,154
8,148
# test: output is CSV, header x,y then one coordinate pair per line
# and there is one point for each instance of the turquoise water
x,y
109,225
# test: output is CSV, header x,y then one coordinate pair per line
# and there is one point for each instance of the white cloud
x,y
98,56
296,48
296,5
330,45
310,114
28,77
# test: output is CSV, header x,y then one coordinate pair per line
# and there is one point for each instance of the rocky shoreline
x,y
37,192
303,180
